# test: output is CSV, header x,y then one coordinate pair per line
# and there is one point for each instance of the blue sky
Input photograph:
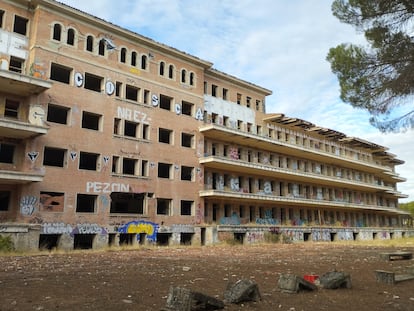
x,y
279,45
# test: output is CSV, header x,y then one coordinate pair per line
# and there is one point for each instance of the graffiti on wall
x,y
62,228
28,205
141,226
234,219
88,229
32,155
132,115
103,187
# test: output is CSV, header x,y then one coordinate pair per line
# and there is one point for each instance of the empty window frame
x,y
214,90
225,93
183,75
187,108
123,55
5,198
171,71
144,168
144,62
187,140
127,203
54,156
165,136
57,32
6,153
88,161
52,201
91,120
101,47
133,58
131,129
131,92
60,73
85,203
187,173
164,170
57,114
1,18
164,206
115,164
20,25
89,43
129,166
186,207
117,126
70,39
93,83
118,89
192,78
147,97
145,131
165,102
16,64
162,69
11,109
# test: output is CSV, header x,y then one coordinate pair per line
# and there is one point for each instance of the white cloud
x,y
280,45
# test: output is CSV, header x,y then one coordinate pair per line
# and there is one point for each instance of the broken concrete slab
x,y
335,279
399,255
390,277
242,291
291,283
183,299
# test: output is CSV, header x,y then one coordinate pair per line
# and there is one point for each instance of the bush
x,y
6,244
272,237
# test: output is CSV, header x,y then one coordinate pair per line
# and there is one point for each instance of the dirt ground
x,y
140,279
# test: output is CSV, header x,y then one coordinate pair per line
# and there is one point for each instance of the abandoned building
x,y
108,137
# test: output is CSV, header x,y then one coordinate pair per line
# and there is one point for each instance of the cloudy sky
x,y
280,45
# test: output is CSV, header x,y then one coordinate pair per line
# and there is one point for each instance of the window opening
x,y
123,55
6,153
4,197
20,25
131,92
60,73
164,136
54,157
89,43
71,36
187,173
128,166
162,68
57,114
85,203
93,83
134,59
90,120
164,170
88,161
16,64
57,32
187,108
165,102
52,201
187,140
130,129
163,206
186,207
11,109
127,203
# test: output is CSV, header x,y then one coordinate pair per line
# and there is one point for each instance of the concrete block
x,y
335,279
291,283
241,291
183,299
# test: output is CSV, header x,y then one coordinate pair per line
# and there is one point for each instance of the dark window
x,y
171,71
191,78
186,173
128,166
90,120
128,203
131,92
115,163
164,170
101,50
57,114
54,157
118,88
146,96
162,68
11,108
20,25
57,32
123,55
4,200
183,75
187,140
93,83
85,203
1,18
88,161
16,64
213,90
6,153
144,62
186,207
71,36
130,129
165,102
164,136
163,206
144,168
187,108
89,43
60,73
225,93
145,131
133,58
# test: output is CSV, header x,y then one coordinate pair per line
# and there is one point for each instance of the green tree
x,y
379,76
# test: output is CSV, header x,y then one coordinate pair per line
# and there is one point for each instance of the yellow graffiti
x,y
141,228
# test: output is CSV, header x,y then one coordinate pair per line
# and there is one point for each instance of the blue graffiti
x,y
141,226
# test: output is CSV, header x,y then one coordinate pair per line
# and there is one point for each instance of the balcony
x,y
249,168
18,177
22,85
223,133
293,201
20,130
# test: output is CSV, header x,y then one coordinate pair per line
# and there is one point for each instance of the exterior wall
x,y
111,146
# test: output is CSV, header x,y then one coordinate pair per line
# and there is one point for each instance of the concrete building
x,y
108,137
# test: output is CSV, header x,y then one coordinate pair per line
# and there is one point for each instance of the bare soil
x,y
140,279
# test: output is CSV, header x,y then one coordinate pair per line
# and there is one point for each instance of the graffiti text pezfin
x,y
141,226
103,187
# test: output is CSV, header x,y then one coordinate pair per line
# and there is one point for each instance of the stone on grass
x,y
335,279
183,299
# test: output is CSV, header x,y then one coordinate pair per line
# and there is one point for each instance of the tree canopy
x,y
379,76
